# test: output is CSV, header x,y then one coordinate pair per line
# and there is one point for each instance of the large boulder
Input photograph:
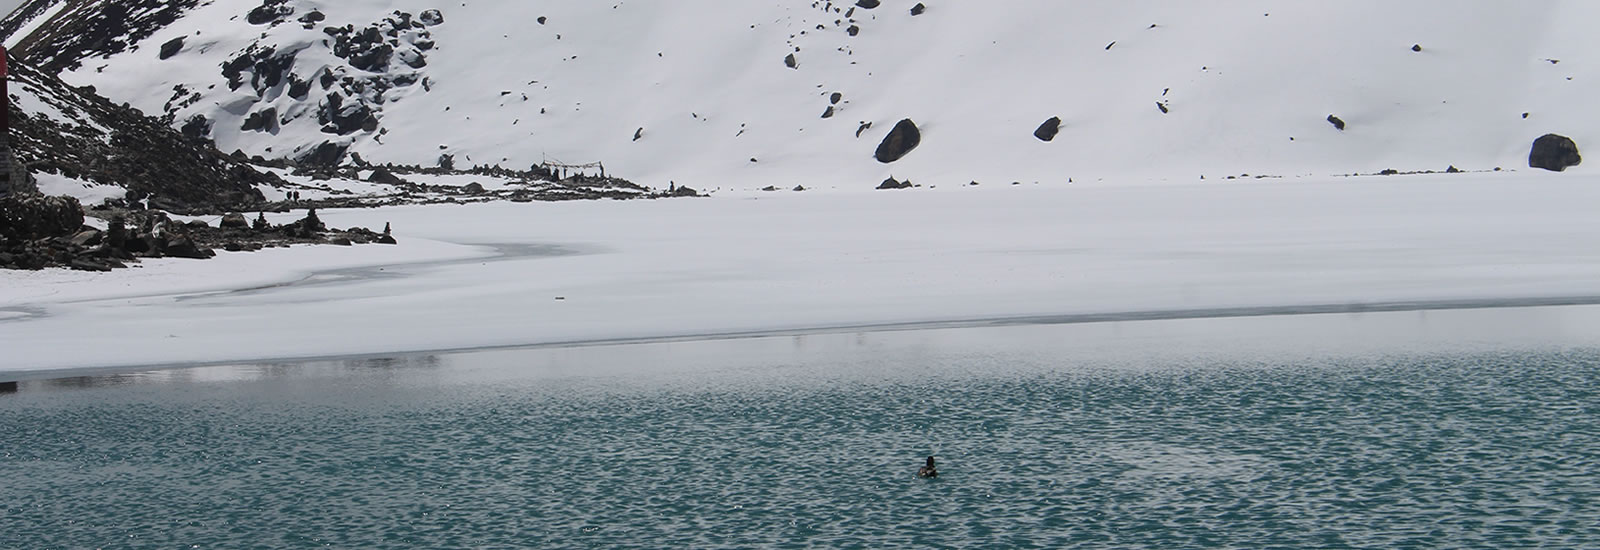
x,y
901,140
1554,152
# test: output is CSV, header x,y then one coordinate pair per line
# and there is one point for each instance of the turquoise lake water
x,y
1400,430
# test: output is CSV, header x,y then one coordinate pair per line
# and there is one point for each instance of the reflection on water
x,y
1393,430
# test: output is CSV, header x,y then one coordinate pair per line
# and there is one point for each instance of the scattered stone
x,y
791,62
918,9
867,4
1452,170
431,18
1555,153
901,140
1416,47
828,113
835,98
1163,107
1049,129
863,128
473,188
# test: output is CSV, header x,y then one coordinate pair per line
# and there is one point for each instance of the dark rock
x,y
86,264
638,134
233,246
1336,122
1163,107
835,98
853,30
234,220
1452,170
473,188
431,18
384,176
386,239
87,237
1389,172
542,20
892,183
901,140
791,62
197,127
863,128
918,9
327,154
184,247
799,188
1554,152
171,48
447,162
1416,47
828,113
268,12
1049,129
867,4
265,120
26,218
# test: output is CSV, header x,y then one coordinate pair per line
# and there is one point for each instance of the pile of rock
x,y
39,232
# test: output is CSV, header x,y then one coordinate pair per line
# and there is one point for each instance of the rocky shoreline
x,y
39,232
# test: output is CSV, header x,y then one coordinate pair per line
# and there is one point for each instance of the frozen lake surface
x,y
1461,428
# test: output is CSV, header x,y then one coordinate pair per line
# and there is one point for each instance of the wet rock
x,y
901,140
1554,152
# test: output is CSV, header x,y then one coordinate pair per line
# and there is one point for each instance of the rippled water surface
x,y
1159,435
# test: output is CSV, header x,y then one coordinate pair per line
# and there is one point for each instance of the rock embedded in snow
x,y
904,138
432,17
867,4
918,9
171,48
1554,152
791,62
892,183
1336,122
1049,129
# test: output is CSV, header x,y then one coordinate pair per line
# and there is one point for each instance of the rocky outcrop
x,y
1554,152
901,140
85,137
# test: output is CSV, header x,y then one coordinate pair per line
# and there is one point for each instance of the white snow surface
x,y
88,193
1248,83
741,262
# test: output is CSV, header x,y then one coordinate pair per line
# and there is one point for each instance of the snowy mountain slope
x,y
77,143
699,91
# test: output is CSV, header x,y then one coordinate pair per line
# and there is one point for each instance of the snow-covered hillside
x,y
700,91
